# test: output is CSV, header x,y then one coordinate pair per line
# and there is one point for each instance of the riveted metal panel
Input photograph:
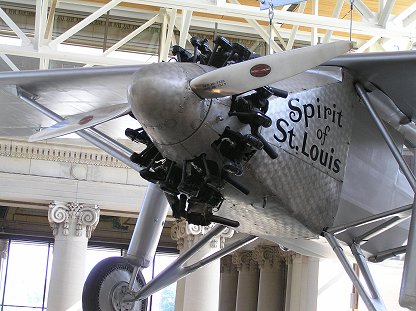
x,y
315,126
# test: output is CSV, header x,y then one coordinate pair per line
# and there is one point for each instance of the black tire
x,y
102,281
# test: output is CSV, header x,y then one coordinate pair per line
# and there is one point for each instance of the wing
x,y
391,72
64,91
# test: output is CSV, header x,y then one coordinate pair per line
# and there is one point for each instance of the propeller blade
x,y
81,121
261,71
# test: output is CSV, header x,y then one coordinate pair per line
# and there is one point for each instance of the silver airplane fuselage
x,y
326,171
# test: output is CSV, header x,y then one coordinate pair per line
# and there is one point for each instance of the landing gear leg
x,y
113,278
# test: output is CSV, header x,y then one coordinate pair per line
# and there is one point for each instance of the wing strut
x,y
178,270
408,288
95,137
391,218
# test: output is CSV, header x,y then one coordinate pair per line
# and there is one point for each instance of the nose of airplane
x,y
163,102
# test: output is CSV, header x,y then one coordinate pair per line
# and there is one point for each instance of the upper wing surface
x,y
394,73
64,91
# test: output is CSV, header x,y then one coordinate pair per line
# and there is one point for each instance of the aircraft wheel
x,y
105,284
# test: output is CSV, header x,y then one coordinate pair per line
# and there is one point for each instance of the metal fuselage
x,y
318,132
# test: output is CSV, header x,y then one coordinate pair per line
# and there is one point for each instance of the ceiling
x,y
151,27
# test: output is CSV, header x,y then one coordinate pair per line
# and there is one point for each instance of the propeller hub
x,y
163,102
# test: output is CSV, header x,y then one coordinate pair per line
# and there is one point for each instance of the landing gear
x,y
107,284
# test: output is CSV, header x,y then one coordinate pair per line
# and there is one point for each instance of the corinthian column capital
x,y
187,234
244,261
73,218
267,255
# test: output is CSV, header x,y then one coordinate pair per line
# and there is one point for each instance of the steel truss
x,y
391,218
376,26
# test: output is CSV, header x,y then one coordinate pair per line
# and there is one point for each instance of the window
x,y
25,275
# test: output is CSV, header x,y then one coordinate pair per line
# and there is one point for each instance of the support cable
x,y
271,16
351,11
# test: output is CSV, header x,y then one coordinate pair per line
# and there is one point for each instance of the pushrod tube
x,y
177,270
400,212
407,297
387,137
379,229
370,303
379,257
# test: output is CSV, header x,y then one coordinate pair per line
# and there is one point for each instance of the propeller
x,y
261,71
81,121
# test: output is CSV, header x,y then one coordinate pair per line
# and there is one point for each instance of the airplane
x,y
302,148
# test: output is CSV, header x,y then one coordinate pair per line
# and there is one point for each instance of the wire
x,y
351,10
271,15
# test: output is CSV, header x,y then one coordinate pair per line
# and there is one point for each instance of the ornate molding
x,y
184,233
227,265
268,255
289,256
73,214
244,261
57,153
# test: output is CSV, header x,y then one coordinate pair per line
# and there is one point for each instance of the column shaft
x,y
200,289
67,274
248,281
228,284
272,282
303,291
72,225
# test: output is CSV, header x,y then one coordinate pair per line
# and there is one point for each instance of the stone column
x,y
72,225
272,278
228,284
248,281
302,283
199,290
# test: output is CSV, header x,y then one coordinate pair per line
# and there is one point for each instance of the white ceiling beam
x,y
385,14
187,35
242,27
262,32
407,12
293,18
264,35
184,28
171,25
163,31
368,44
409,22
295,29
131,35
51,20
363,9
9,62
14,27
279,36
86,21
40,22
335,13
314,30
